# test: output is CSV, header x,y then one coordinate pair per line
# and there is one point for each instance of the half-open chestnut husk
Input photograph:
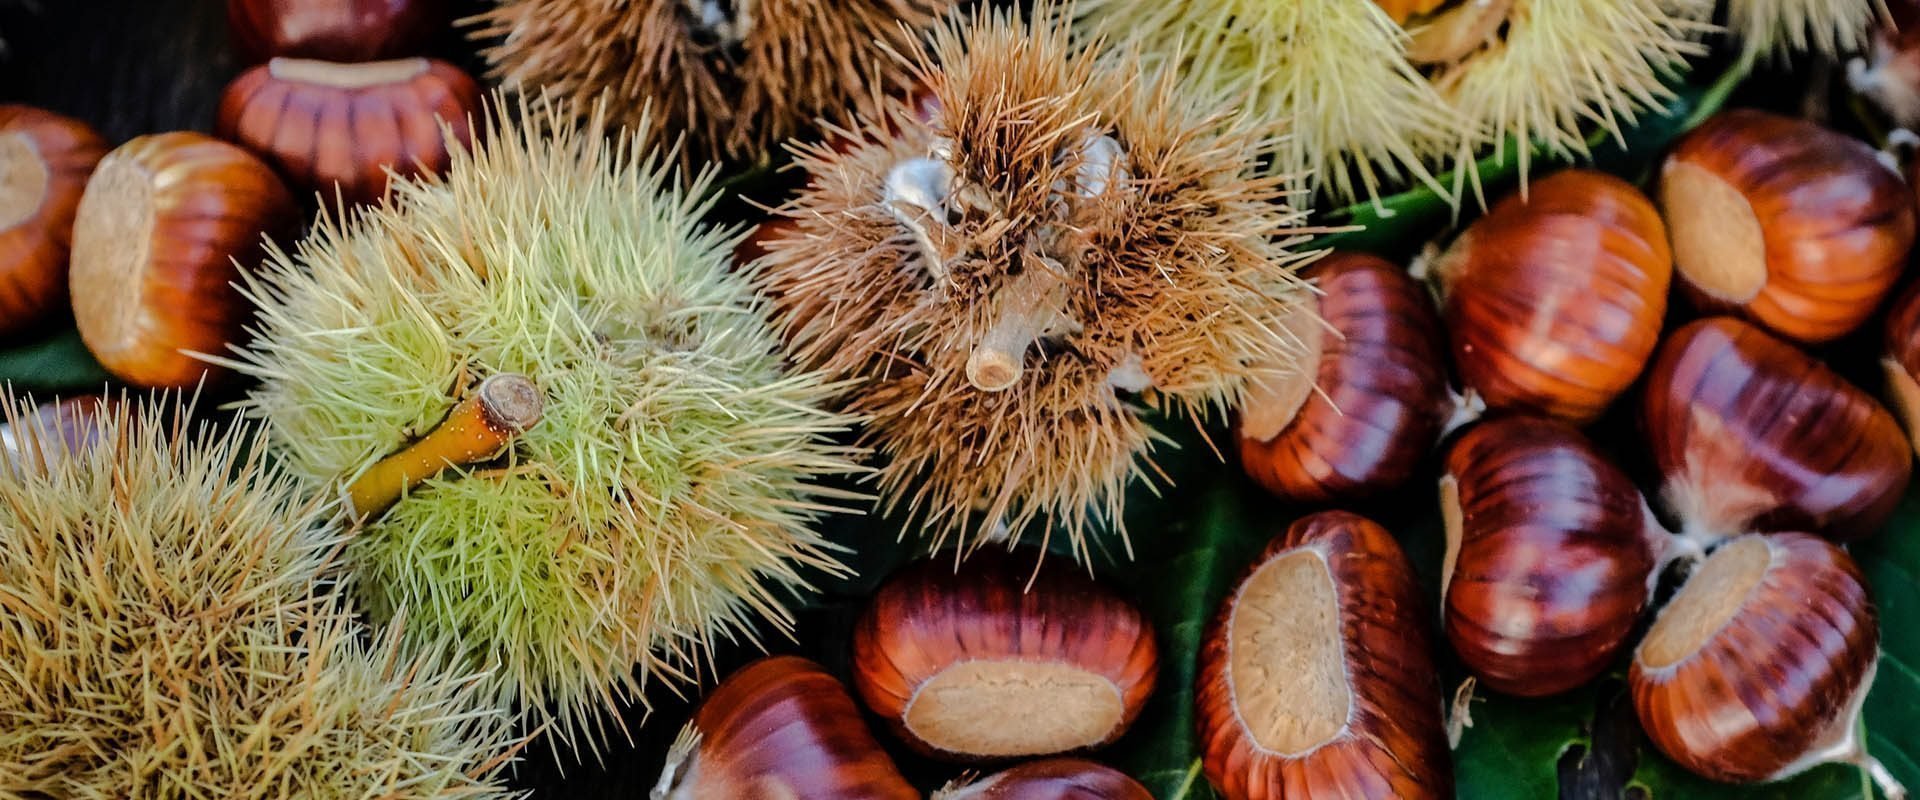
x,y
45,159
1551,555
325,124
957,660
1756,670
1902,361
1316,678
780,728
1750,434
1555,298
167,223
1791,225
1369,399
1051,779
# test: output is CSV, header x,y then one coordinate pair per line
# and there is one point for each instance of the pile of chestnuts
x,y
149,239
1771,235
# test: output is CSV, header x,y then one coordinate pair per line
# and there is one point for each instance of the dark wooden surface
x,y
140,66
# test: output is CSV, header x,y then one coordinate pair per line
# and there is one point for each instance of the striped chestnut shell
x,y
165,228
337,30
1751,434
956,660
325,124
1902,361
1368,401
1316,678
1050,779
45,159
780,728
1550,555
1756,669
1786,223
1554,299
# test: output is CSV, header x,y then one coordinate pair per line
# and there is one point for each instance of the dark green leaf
x,y
58,363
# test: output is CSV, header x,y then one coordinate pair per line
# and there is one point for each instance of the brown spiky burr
x,y
1007,286
736,77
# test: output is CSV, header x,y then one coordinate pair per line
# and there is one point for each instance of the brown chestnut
x,y
1369,399
1551,553
167,223
1750,434
1903,361
1052,779
53,431
45,159
781,728
337,30
1316,678
324,124
1795,227
1756,670
956,659
1554,299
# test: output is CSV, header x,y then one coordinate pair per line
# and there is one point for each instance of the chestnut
x,y
1756,670
1789,224
324,124
337,30
45,159
167,223
1369,399
1750,434
53,431
1903,360
1316,678
780,728
1052,779
1889,74
1555,298
1551,553
952,657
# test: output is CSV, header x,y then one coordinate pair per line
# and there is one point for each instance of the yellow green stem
x,y
477,429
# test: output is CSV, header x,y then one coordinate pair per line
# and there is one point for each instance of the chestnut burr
x,y
1369,399
1551,553
956,660
45,159
1902,361
1051,779
337,30
1757,668
324,124
780,728
1316,677
1553,300
1750,434
1786,223
166,225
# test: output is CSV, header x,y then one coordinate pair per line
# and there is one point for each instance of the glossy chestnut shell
x,y
780,728
167,223
336,30
1316,678
53,432
1550,552
1757,667
1903,361
45,159
955,660
1554,299
1051,779
1789,224
324,124
1750,434
1370,402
